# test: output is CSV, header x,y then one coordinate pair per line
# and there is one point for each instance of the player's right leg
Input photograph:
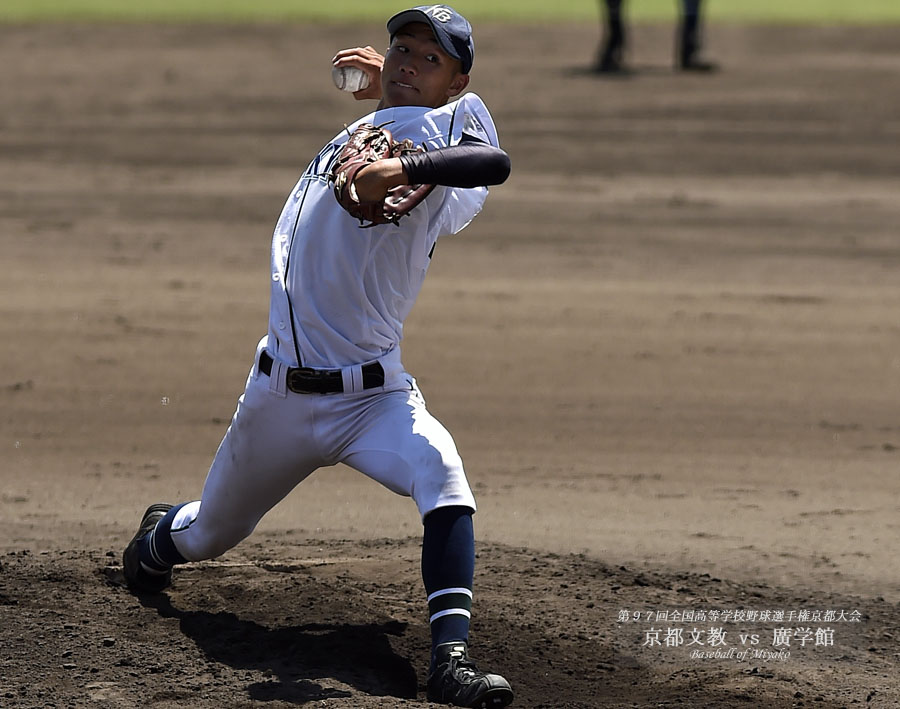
x,y
263,456
146,577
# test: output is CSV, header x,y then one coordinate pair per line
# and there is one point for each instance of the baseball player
x,y
327,384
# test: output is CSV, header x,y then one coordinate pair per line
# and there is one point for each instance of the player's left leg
x,y
448,569
401,445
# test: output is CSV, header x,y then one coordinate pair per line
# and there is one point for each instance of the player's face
x,y
417,72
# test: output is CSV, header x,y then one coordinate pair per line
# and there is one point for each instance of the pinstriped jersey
x,y
340,294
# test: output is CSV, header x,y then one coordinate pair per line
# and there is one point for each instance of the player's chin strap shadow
x,y
360,656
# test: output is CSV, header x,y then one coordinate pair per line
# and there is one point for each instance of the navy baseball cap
x,y
452,31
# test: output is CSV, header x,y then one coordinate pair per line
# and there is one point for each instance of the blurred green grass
x,y
778,11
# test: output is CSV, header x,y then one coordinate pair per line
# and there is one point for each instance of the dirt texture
x,y
668,350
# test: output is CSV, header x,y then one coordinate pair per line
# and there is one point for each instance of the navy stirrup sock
x,y
156,550
448,569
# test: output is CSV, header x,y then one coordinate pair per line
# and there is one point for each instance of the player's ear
x,y
458,85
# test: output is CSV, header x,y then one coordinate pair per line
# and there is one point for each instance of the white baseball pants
x,y
277,438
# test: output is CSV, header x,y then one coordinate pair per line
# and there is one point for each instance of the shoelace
x,y
466,669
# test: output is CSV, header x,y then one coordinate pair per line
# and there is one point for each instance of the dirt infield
x,y
668,350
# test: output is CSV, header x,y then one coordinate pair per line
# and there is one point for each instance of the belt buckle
x,y
300,378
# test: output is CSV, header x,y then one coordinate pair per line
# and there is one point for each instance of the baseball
x,y
349,78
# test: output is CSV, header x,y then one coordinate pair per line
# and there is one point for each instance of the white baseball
x,y
349,78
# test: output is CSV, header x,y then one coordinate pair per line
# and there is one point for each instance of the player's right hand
x,y
370,61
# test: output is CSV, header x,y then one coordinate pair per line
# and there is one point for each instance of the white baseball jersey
x,y
340,293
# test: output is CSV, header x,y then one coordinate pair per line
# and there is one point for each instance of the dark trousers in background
x,y
687,39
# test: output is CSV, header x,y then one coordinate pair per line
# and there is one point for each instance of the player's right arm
x,y
370,61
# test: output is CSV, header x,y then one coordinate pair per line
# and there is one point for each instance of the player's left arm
x,y
472,163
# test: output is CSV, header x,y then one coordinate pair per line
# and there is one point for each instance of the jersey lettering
x,y
321,165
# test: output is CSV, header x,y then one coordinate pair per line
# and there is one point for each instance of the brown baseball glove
x,y
367,144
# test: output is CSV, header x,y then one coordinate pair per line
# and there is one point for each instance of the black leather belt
x,y
305,380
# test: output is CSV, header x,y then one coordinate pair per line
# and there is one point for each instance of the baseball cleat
x,y
457,681
140,580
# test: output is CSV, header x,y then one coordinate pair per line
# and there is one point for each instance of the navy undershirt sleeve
x,y
472,163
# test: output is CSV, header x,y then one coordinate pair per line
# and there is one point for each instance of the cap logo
x,y
439,13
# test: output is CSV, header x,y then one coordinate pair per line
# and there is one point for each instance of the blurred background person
x,y
611,58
